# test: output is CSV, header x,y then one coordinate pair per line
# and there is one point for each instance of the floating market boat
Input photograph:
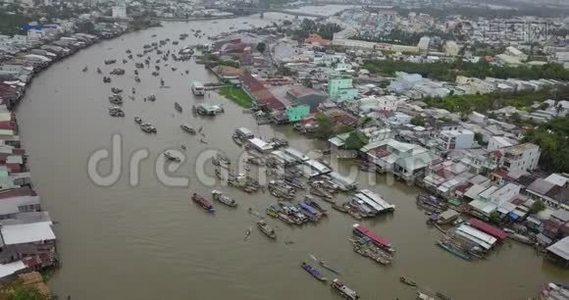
x,y
201,201
117,71
116,111
115,99
110,61
341,207
171,157
344,290
177,106
187,128
407,281
219,196
116,90
423,296
310,201
266,229
148,128
361,230
137,120
313,272
198,88
454,250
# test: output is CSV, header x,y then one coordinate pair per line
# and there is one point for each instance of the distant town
x,y
472,106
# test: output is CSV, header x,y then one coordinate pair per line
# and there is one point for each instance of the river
x,y
151,242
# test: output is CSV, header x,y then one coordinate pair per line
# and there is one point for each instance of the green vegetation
x,y
325,126
16,291
261,47
402,37
448,71
552,138
356,140
483,103
536,207
11,23
418,121
308,26
237,95
479,139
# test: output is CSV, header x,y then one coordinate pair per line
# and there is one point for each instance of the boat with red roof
x,y
203,202
361,230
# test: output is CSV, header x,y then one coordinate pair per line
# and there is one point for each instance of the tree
x,y
356,140
479,138
418,120
325,125
536,207
26,293
495,218
261,47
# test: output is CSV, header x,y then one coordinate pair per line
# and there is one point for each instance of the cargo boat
x,y
224,199
201,201
344,290
454,250
377,240
187,128
313,272
266,229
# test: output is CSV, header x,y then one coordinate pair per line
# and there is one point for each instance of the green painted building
x,y
297,112
341,89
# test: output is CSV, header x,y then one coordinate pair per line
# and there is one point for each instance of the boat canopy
x,y
244,133
296,154
260,145
377,199
376,239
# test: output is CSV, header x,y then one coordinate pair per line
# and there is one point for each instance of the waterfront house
x,y
559,252
553,191
28,237
489,199
407,161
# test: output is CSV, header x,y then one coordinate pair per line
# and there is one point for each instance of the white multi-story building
x,y
521,158
119,11
499,142
455,139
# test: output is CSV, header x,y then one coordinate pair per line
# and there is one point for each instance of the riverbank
x,y
35,248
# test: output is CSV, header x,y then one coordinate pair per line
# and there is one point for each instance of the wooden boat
x,y
187,128
201,201
148,128
266,229
423,296
309,201
355,214
177,106
340,208
407,281
454,250
220,197
171,157
116,90
137,120
344,290
313,272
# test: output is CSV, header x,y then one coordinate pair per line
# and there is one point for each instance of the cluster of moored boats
x,y
303,212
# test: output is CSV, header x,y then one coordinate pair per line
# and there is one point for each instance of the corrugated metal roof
x,y
561,248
